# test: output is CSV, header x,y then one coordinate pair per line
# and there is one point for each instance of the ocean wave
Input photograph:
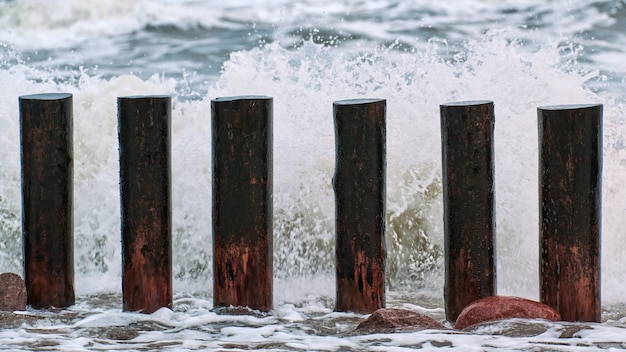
x,y
304,82
37,24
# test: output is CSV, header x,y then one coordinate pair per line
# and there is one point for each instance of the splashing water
x,y
304,83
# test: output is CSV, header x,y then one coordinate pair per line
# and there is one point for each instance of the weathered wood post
x,y
359,184
144,124
242,202
570,185
47,199
468,203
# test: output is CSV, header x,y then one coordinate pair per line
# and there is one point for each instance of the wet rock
x,y
10,320
12,292
389,320
496,308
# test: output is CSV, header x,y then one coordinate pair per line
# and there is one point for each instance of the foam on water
x,y
73,20
40,25
415,84
193,326
72,33
304,83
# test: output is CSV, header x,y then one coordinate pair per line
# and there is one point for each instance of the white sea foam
x,y
199,328
37,25
304,83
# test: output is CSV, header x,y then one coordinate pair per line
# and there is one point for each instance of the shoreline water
x,y
97,323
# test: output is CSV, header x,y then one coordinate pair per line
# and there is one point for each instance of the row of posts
x,y
570,163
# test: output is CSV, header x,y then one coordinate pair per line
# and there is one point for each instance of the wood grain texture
x,y
468,203
242,202
47,199
570,186
359,184
144,125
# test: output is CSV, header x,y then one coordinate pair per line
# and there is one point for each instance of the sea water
x,y
306,54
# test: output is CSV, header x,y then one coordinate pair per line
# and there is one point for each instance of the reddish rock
x,y
495,308
12,292
388,320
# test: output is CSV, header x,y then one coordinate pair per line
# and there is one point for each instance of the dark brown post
x,y
359,183
468,203
570,172
144,137
242,202
47,199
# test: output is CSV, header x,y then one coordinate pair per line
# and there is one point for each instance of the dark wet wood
x,y
144,126
570,177
359,184
47,199
468,203
242,202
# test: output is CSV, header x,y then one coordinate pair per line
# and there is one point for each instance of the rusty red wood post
x,y
359,184
47,198
242,202
144,130
570,185
468,203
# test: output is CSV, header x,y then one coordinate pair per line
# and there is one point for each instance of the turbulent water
x,y
306,54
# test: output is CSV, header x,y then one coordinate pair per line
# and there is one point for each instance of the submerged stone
x,y
389,320
496,308
238,310
12,292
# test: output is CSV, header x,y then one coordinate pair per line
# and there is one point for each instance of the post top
x,y
132,97
242,97
46,96
468,103
358,101
569,107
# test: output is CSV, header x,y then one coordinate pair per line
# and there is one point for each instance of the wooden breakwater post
x,y
570,185
242,202
468,203
359,184
144,129
47,198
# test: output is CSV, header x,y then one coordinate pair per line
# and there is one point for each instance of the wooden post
x,y
359,184
468,203
242,202
144,124
570,184
47,199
